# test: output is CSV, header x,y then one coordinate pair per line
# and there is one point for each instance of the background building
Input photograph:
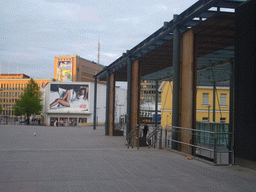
x,y
11,87
148,91
204,103
73,68
79,109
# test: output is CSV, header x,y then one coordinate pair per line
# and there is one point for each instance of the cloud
x,y
39,9
131,19
74,11
111,55
156,8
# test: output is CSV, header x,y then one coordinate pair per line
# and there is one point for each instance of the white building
x,y
73,103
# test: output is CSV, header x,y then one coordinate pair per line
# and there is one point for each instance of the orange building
x,y
11,87
73,68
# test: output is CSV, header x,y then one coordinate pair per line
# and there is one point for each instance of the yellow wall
x,y
166,104
202,110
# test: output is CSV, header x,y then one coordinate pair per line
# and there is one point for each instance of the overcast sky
x,y
33,32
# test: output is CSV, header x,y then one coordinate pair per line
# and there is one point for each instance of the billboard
x,y
64,71
69,98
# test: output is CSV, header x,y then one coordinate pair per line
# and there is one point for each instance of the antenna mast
x,y
99,51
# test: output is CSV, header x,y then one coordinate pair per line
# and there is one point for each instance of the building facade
x,y
204,104
11,87
73,68
148,91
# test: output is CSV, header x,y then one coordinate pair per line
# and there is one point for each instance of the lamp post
x,y
209,112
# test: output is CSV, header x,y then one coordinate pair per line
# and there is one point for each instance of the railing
x,y
154,137
212,144
132,136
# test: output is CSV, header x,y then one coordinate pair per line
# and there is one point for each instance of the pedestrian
x,y
145,130
57,123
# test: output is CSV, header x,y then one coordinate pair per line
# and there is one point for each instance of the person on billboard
x,y
70,96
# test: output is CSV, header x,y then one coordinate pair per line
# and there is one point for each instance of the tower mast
x,y
98,51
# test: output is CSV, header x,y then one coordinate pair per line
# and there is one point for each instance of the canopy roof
x,y
213,24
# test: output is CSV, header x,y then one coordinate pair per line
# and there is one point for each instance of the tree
x,y
29,102
1,109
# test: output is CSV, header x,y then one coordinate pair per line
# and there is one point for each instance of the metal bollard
x,y
215,151
165,137
160,140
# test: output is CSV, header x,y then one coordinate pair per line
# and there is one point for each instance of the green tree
x,y
1,109
29,102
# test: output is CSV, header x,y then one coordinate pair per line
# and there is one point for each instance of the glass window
x,y
13,94
12,86
205,118
223,99
223,120
205,98
19,87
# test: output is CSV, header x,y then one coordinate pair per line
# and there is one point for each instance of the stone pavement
x,y
83,159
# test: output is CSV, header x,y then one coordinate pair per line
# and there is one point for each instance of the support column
x,y
129,85
231,114
111,122
214,105
188,89
156,104
95,104
135,96
244,85
176,82
107,103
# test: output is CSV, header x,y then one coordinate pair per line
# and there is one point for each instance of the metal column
x,y
213,105
95,104
156,104
107,103
176,81
129,84
231,114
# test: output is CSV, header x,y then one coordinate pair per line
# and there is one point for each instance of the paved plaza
x,y
83,159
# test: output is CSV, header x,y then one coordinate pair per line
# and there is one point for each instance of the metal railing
x,y
212,144
132,136
155,137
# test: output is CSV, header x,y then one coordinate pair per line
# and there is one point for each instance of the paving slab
x,y
83,159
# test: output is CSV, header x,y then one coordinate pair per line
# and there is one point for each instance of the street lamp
x,y
209,112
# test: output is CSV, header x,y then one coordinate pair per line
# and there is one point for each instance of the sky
x,y
33,32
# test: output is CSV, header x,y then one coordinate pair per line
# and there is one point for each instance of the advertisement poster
x,y
64,71
69,98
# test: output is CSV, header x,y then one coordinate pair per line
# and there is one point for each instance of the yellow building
x,y
73,68
11,87
204,103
